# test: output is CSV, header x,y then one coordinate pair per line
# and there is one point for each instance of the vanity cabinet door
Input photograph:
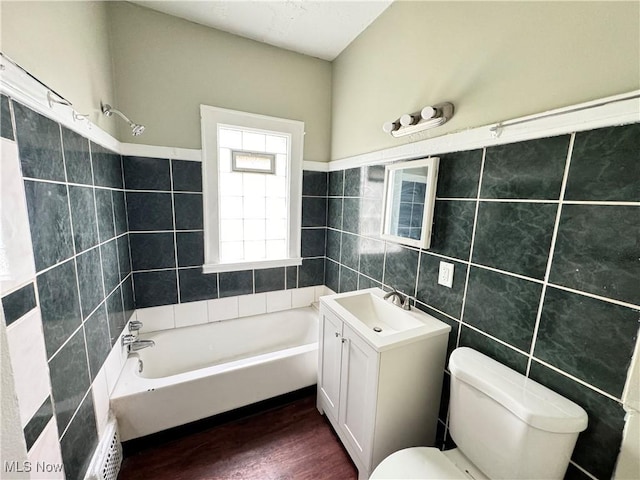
x,y
358,390
330,358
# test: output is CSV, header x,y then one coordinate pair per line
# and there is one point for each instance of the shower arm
x,y
108,110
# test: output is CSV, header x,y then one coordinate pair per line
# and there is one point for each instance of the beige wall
x,y
166,67
493,60
66,46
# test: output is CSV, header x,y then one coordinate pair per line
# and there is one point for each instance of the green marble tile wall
x,y
83,285
544,238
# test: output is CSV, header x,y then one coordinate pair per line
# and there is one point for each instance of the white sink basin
x,y
382,324
378,314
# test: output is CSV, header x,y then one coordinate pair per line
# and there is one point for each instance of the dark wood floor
x,y
288,442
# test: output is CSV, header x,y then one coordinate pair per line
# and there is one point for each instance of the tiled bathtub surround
x,y
165,211
82,291
543,235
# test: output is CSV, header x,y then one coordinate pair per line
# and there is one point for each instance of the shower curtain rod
x,y
64,100
496,129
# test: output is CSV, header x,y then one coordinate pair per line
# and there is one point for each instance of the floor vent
x,y
107,458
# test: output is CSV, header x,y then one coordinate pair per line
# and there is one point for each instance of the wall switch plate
x,y
445,274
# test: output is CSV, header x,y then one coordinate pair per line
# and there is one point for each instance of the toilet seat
x,y
417,463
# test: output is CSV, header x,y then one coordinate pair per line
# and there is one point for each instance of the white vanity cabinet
x,y
379,399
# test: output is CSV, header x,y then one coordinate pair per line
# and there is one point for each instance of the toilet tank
x,y
508,425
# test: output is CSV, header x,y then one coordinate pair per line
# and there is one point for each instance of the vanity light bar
x,y
428,117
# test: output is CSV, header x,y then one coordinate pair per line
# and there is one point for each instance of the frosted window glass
x,y
224,160
230,184
276,144
276,229
254,250
276,248
255,142
231,230
276,208
231,251
254,184
231,207
276,186
254,207
254,229
228,138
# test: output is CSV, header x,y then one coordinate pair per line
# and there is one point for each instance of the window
x,y
252,190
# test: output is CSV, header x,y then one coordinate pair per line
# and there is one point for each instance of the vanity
x,y
379,374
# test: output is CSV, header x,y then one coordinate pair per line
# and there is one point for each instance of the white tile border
x,y
100,393
223,309
29,362
255,304
190,313
46,452
278,301
156,318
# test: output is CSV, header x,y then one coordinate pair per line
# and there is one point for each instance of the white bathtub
x,y
199,371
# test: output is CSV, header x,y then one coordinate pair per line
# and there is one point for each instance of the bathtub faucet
x,y
134,344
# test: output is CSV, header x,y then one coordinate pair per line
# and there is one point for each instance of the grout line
x,y
473,238
75,413
583,470
175,235
577,380
75,254
506,272
439,311
597,297
552,247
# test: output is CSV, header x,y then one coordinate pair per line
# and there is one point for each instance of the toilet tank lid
x,y
535,404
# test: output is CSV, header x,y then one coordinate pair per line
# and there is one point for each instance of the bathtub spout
x,y
134,344
140,344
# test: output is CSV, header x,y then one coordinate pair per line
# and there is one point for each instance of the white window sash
x,y
211,118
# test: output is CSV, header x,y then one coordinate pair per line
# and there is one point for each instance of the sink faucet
x,y
398,299
134,344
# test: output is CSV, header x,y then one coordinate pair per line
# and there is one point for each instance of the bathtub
x,y
199,371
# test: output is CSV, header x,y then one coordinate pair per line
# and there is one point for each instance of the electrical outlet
x,y
445,274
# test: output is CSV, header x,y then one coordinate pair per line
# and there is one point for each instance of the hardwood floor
x,y
287,442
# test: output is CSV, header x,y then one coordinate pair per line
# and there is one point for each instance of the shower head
x,y
136,128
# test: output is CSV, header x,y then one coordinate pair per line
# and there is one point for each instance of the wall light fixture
x,y
428,117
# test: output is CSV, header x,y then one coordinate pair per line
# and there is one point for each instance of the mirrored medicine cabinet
x,y
409,200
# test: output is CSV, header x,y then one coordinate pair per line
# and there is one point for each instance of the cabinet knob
x,y
344,340
337,334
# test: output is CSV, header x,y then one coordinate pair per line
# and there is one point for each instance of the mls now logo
x,y
27,467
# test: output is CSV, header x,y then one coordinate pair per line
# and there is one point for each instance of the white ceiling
x,y
320,28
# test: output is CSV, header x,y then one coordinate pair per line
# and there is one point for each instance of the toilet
x,y
505,426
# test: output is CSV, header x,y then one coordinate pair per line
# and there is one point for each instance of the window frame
x,y
210,119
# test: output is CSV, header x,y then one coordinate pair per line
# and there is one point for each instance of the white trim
x,y
389,196
211,118
17,84
253,265
315,166
157,151
564,121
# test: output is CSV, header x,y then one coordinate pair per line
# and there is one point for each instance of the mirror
x,y
409,199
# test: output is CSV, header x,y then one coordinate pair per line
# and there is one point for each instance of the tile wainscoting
x,y
165,210
63,323
543,235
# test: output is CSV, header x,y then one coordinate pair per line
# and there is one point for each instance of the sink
x,y
379,322
378,314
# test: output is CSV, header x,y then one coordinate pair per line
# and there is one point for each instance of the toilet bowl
x,y
506,426
426,463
